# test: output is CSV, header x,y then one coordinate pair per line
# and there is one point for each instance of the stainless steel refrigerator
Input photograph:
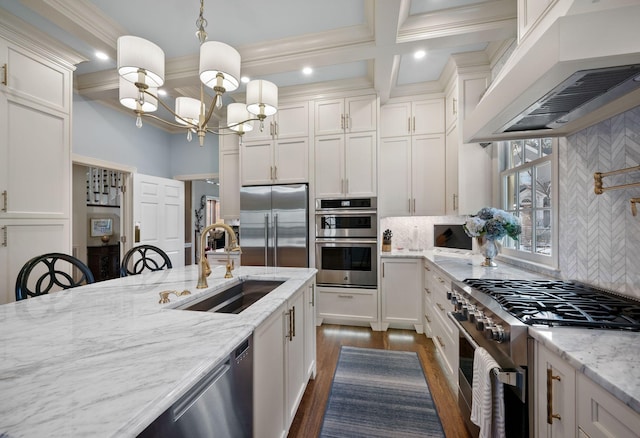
x,y
274,225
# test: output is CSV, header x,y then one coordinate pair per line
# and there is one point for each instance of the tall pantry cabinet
x,y
35,148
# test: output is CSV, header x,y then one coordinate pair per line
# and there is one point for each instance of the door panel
x,y
158,209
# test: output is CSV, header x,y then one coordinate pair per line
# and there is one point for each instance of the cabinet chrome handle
x,y
290,335
409,125
4,236
341,121
345,296
427,268
5,74
414,123
383,270
414,205
455,201
427,318
441,280
442,344
276,130
346,121
275,172
313,294
293,322
427,290
271,130
550,379
455,107
4,200
346,185
440,306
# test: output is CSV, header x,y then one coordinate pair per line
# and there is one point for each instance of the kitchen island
x,y
107,359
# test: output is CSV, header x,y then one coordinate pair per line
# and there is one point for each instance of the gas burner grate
x,y
552,302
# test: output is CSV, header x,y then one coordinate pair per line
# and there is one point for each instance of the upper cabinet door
x,y
329,116
292,120
394,195
329,166
395,119
256,163
427,116
360,172
360,114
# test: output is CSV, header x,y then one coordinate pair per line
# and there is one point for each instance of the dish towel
x,y
487,401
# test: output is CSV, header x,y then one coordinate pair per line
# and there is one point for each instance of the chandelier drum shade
x,y
141,66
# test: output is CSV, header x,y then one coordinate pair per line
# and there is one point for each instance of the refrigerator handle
x,y
266,239
275,240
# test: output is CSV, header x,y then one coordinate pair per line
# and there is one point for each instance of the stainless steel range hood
x,y
584,68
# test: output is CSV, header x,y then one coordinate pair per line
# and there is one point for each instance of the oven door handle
x,y
511,377
347,241
344,212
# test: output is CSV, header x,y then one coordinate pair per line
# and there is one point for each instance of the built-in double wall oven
x,y
346,242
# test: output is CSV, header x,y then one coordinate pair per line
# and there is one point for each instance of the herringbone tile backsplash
x,y
599,237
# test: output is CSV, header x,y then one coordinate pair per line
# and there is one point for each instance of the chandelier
x,y
141,70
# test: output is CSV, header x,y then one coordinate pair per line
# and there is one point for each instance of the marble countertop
x,y
608,357
107,359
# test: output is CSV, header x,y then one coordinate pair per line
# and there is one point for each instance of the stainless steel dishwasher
x,y
220,405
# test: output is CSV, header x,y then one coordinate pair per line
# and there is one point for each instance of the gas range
x,y
553,303
497,313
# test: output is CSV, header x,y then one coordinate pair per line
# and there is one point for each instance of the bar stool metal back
x,y
144,258
50,272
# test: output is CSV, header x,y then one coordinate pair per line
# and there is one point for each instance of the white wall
x,y
106,134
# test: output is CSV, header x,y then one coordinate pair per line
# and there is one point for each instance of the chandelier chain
x,y
201,23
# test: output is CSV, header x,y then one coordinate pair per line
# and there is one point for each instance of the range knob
x,y
473,312
498,333
449,295
480,321
488,328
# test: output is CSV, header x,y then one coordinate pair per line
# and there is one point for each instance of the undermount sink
x,y
235,299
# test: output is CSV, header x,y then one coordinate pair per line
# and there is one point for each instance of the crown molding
x,y
29,37
82,19
466,19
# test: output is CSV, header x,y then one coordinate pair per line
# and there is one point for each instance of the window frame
x,y
504,170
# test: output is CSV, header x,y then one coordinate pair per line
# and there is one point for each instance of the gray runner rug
x,y
379,393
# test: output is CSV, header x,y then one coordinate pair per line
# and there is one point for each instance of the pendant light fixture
x,y
141,69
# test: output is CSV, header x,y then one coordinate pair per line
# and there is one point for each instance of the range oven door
x,y
515,401
346,262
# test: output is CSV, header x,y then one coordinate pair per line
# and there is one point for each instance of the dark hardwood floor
x,y
330,338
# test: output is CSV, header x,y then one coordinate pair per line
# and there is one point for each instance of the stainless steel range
x,y
495,315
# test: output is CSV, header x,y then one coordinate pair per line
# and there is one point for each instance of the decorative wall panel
x,y
599,237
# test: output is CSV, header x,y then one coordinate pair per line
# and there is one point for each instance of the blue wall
x,y
106,134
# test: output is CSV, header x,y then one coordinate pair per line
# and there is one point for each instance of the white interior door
x,y
158,214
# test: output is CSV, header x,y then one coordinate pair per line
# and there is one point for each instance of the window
x,y
528,181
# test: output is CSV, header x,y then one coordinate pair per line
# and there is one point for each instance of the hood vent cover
x,y
581,93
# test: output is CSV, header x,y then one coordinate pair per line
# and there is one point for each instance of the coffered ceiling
x,y
348,43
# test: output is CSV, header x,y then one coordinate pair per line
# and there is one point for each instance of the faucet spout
x,y
204,270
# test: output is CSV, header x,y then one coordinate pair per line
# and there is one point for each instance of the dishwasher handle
x,y
189,399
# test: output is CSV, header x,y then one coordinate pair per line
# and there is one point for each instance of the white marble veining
x,y
608,357
106,359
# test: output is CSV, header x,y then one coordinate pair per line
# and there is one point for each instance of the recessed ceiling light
x,y
162,92
245,79
419,54
102,56
307,71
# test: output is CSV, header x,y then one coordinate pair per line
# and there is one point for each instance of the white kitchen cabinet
x,y
555,395
229,178
269,375
347,306
346,115
469,168
412,176
444,333
310,329
600,414
291,121
35,154
345,165
279,368
401,292
418,117
282,161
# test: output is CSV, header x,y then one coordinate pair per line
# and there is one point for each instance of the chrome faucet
x,y
203,266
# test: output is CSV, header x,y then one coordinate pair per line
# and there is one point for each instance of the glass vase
x,y
489,249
